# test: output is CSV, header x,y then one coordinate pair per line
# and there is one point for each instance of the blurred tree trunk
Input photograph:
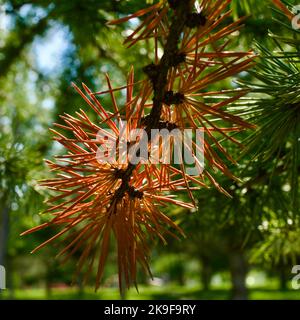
x,y
123,294
283,281
4,234
206,273
123,291
238,270
282,277
10,277
4,231
180,275
48,280
4,223
80,287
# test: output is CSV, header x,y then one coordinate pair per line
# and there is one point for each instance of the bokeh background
x,y
234,248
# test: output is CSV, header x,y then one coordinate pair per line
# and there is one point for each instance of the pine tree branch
x,y
161,79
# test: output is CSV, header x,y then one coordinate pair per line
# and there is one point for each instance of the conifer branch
x,y
159,78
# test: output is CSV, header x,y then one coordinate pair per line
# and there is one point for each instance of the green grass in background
x,y
150,293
